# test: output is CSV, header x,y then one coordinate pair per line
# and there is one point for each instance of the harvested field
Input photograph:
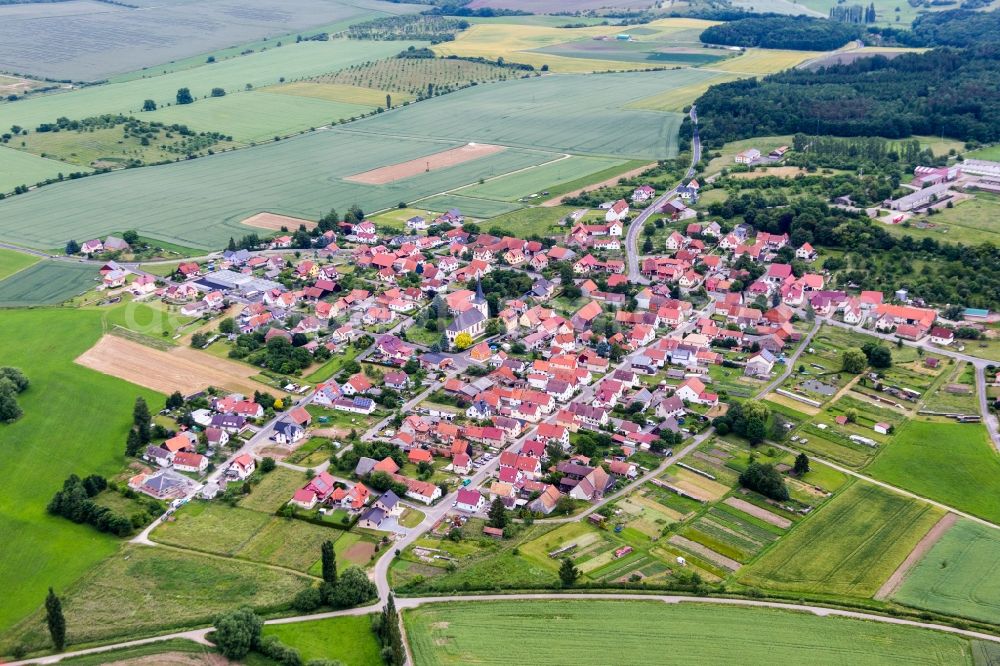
x,y
274,222
924,545
442,160
704,552
181,369
757,512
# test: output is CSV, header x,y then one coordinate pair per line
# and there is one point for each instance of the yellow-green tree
x,y
463,341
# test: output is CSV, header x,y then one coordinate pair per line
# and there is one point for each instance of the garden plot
x,y
695,485
955,393
758,513
727,534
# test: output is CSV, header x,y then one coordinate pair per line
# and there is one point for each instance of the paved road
x,y
632,257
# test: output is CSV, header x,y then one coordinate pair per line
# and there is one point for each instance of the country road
x,y
632,257
407,603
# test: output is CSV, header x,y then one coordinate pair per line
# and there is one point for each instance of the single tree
x,y
498,514
463,341
175,400
568,573
853,361
149,105
353,587
133,443
232,244
388,101
238,632
218,92
55,619
72,247
329,562
801,465
140,413
184,96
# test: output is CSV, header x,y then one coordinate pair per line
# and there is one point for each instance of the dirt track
x,y
445,158
181,369
274,222
931,538
556,201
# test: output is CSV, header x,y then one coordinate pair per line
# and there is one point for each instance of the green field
x,y
637,632
959,575
11,262
292,61
74,422
20,168
558,113
534,181
143,589
258,116
470,206
347,639
200,202
849,546
537,221
971,221
47,283
952,463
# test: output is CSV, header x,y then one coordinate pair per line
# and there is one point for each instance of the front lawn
x,y
349,639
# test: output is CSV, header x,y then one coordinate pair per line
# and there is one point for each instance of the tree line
x,y
949,92
802,33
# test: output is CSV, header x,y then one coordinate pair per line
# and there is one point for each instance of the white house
x,y
748,156
242,467
618,210
470,501
287,432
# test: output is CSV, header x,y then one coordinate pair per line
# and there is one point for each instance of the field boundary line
x,y
933,535
895,489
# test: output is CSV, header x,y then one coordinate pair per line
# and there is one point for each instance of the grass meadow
x,y
46,282
74,422
20,168
959,575
147,590
12,262
952,463
595,632
347,639
849,546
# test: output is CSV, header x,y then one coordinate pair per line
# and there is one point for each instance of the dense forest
x,y
958,27
802,33
954,93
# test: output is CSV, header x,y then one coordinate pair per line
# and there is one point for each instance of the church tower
x,y
479,302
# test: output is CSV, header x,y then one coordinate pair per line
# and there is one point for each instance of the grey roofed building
x,y
388,500
226,280
163,483
364,466
373,517
466,320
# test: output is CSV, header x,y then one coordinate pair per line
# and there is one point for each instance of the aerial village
x,y
530,371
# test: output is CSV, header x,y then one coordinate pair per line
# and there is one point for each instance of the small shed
x,y
882,428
